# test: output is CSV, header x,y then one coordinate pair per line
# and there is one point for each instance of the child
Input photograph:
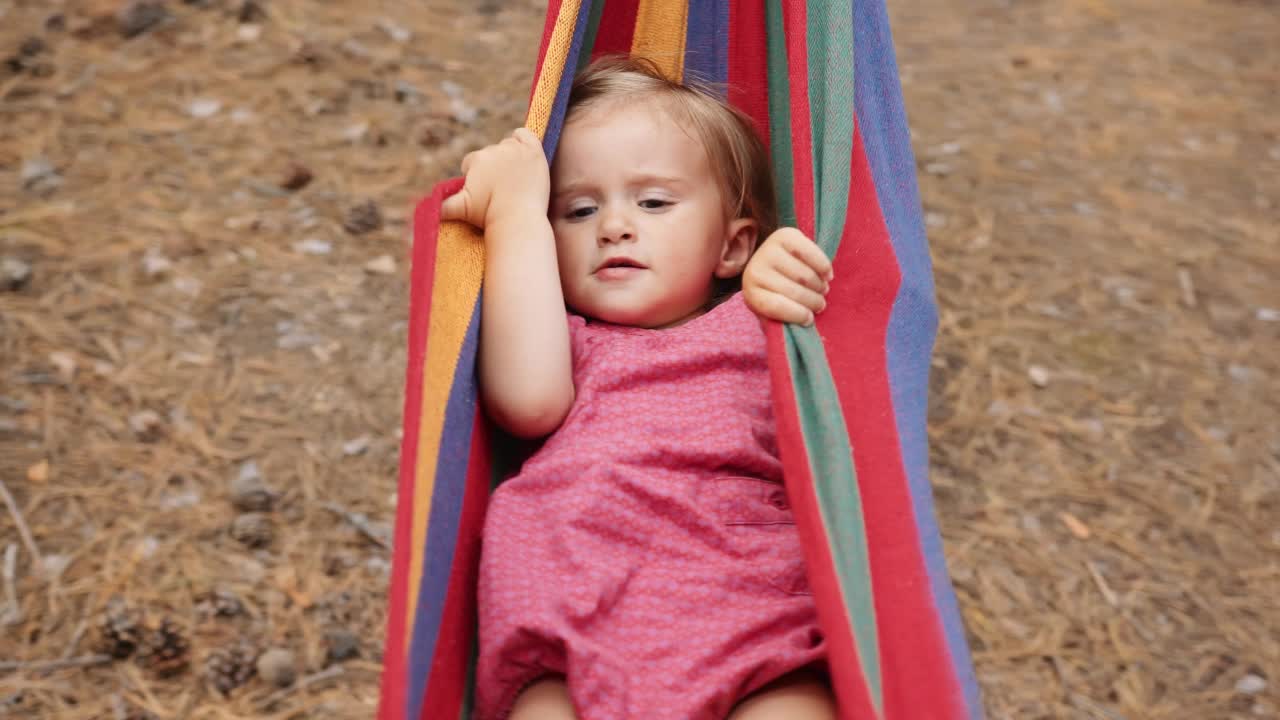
x,y
643,563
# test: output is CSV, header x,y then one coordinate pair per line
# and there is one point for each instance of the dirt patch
x,y
202,334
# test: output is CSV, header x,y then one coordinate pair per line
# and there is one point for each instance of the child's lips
x,y
617,272
618,268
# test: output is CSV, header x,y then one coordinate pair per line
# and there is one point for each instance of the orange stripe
x,y
544,94
454,289
660,34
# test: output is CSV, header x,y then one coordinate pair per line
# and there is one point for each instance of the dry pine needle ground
x,y
203,214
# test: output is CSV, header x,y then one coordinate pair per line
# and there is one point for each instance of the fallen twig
x,y
302,684
377,533
12,614
119,710
75,639
50,665
23,530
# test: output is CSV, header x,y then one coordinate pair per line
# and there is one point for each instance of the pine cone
x,y
252,529
119,630
362,218
166,652
219,602
249,492
227,668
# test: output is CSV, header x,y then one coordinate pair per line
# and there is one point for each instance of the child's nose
x,y
615,226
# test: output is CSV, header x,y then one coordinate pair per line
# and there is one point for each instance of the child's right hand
x,y
507,179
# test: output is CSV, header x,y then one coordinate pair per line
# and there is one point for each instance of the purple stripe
x,y
914,320
446,511
556,122
706,55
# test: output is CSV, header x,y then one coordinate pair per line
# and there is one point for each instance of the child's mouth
x,y
618,268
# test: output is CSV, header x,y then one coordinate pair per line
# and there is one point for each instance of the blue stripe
x,y
446,512
913,322
706,55
556,122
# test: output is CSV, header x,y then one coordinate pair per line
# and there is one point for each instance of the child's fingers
x,y
788,288
799,244
467,160
808,251
526,136
781,308
798,271
779,284
456,206
810,299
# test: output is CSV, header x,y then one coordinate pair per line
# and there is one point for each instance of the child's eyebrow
x,y
649,179
569,189
637,181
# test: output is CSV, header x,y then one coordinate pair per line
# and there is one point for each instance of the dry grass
x,y
1102,179
175,327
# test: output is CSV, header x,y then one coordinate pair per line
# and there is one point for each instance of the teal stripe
x,y
829,37
780,114
826,440
589,39
829,46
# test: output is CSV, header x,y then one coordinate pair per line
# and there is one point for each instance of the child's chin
x,y
616,314
621,317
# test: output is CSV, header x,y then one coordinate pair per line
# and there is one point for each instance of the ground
x,y
203,220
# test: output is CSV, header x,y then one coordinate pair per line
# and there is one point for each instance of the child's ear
x,y
739,243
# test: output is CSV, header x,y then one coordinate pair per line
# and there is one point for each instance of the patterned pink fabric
x,y
647,551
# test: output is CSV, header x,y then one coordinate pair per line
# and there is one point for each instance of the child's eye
x,y
580,212
653,204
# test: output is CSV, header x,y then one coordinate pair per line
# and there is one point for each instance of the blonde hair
x,y
738,157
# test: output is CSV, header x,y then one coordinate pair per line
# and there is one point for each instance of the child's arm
x,y
526,372
787,278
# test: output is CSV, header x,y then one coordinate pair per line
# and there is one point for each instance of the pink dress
x,y
647,551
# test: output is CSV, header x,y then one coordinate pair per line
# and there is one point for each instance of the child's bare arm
x,y
526,373
787,278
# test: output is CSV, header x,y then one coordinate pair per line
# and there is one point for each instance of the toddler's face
x,y
638,216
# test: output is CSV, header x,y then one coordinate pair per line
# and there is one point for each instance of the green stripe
x,y
830,454
589,38
829,45
780,114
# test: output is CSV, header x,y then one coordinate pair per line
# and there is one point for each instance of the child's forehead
x,y
619,128
634,143
604,110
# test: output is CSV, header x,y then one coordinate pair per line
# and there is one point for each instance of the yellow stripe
x,y
455,287
660,34
458,271
544,94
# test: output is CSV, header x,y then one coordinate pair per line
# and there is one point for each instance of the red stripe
x,y
448,676
426,225
913,651
548,27
617,27
846,673
749,63
801,133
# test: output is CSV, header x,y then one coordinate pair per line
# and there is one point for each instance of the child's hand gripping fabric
x,y
525,367
509,179
787,279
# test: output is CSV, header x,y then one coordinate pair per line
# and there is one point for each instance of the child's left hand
x,y
787,279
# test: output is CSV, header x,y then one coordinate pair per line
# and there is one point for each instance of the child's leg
x,y
802,695
546,699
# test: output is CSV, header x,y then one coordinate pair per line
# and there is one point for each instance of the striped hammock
x,y
820,80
